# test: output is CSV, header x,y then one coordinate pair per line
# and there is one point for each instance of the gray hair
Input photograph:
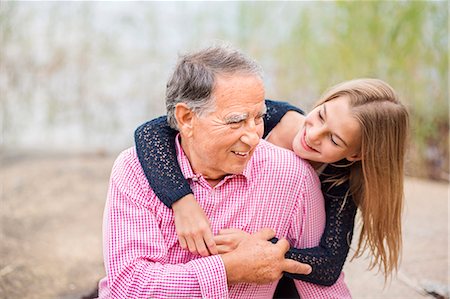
x,y
193,79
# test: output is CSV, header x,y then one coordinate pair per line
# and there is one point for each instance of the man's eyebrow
x,y
335,134
264,111
236,118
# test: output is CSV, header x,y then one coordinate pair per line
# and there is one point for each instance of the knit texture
x,y
155,147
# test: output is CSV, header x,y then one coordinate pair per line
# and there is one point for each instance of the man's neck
x,y
211,181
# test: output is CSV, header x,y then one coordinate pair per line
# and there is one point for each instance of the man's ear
x,y
184,117
354,157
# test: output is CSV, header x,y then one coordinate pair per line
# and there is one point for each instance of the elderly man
x,y
215,99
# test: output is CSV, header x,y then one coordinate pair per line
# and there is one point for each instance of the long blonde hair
x,y
376,181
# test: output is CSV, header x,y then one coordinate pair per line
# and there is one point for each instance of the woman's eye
x,y
320,116
332,140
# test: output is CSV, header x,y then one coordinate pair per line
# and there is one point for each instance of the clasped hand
x,y
247,257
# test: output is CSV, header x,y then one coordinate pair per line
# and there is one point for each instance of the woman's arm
x,y
278,117
286,130
155,145
329,257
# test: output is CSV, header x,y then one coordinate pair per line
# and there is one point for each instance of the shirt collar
x,y
188,173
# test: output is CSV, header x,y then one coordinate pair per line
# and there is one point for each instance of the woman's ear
x,y
354,157
184,117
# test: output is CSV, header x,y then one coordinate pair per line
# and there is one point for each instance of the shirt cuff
x,y
211,276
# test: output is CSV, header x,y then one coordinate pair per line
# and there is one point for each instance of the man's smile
x,y
241,154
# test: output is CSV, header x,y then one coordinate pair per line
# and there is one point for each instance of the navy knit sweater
x,y
155,145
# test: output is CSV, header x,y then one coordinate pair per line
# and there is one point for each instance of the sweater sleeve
x,y
275,112
329,257
155,146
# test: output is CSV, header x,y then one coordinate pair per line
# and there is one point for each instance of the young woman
x,y
355,137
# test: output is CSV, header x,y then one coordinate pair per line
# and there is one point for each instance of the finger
x,y
295,267
265,234
182,241
226,231
191,245
200,245
283,244
221,239
223,249
209,241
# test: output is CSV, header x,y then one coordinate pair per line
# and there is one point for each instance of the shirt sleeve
x,y
135,250
309,223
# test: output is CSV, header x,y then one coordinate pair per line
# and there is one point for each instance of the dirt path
x,y
50,236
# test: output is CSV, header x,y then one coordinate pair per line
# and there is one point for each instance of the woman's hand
x,y
228,239
192,227
256,260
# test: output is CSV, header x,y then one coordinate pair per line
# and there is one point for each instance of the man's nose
x,y
251,135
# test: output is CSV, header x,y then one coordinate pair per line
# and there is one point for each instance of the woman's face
x,y
330,133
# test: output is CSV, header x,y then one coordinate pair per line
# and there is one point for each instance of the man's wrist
x,y
234,274
211,275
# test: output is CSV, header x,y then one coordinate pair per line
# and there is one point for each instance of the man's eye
x,y
259,119
235,124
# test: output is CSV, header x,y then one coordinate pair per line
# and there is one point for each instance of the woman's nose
x,y
315,133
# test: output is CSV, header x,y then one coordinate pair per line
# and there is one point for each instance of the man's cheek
x,y
261,132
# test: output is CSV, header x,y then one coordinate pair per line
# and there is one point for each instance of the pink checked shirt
x,y
143,258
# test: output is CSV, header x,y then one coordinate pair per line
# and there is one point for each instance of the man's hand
x,y
255,260
192,226
228,239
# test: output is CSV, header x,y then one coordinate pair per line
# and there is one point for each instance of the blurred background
x,y
76,79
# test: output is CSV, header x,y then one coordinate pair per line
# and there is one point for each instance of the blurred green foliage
x,y
404,43
98,69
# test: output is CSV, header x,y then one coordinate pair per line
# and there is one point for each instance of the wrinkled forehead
x,y
238,90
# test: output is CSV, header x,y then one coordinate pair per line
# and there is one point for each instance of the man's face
x,y
223,141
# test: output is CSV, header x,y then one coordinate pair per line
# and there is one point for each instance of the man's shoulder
x,y
127,159
127,173
281,168
267,150
282,160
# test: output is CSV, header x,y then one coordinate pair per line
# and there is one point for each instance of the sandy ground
x,y
51,216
